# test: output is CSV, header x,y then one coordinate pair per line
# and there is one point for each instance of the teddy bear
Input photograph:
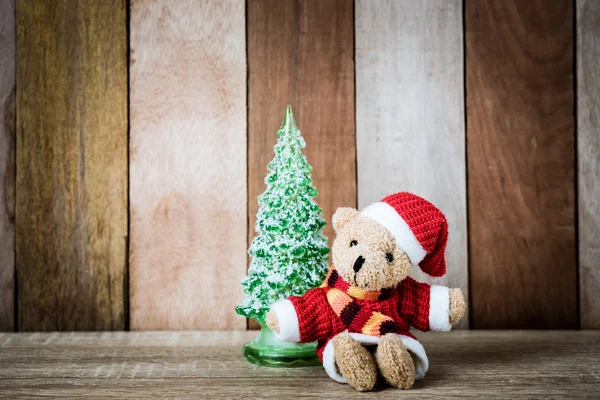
x,y
361,314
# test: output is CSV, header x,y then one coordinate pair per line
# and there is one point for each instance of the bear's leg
x,y
394,362
355,362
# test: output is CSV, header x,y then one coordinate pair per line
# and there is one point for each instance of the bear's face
x,y
364,253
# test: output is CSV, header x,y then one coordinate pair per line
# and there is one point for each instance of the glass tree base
x,y
268,351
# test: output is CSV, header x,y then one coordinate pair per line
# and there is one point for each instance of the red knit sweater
x,y
407,305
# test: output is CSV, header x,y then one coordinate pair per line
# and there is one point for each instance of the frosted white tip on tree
x,y
290,252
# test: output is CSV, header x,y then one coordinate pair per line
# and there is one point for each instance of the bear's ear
x,y
342,216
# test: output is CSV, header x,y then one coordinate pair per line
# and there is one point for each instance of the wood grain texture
x,y
410,113
302,53
188,163
209,365
7,164
588,156
520,135
71,196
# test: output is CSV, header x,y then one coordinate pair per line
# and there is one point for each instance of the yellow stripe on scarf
x,y
371,328
359,293
354,291
338,300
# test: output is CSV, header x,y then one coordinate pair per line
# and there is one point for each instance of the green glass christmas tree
x,y
289,253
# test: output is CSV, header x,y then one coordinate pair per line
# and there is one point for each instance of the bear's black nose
x,y
358,263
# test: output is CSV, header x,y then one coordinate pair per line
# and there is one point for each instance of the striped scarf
x,y
342,297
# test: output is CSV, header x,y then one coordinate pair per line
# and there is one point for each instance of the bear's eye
x,y
389,257
353,243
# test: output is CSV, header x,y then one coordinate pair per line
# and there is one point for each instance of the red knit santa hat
x,y
420,229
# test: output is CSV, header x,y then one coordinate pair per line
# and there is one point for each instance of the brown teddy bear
x,y
362,313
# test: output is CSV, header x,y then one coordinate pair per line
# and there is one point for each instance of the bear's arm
x,y
424,306
305,318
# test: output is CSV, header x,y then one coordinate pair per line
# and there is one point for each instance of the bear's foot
x,y
355,362
394,362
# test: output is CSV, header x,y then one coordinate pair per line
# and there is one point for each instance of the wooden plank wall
x,y
472,104
302,53
410,116
521,163
71,196
187,164
588,145
7,164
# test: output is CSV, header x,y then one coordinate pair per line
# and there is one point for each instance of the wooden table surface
x,y
463,364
